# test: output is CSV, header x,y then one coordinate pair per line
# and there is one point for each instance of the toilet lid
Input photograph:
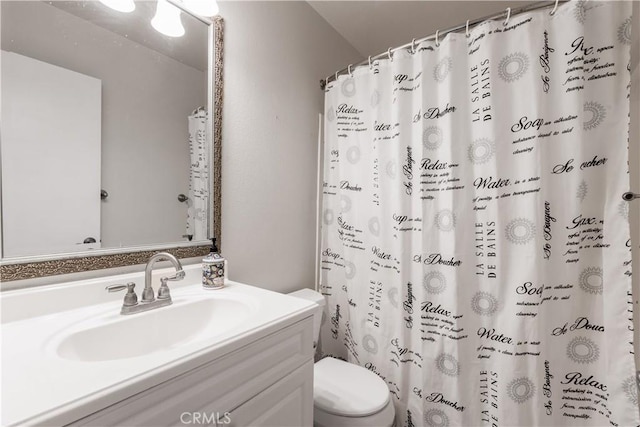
x,y
345,389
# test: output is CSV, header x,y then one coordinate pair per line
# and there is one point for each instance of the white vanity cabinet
x,y
268,382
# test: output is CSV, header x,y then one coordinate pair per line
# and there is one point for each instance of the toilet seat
x,y
347,390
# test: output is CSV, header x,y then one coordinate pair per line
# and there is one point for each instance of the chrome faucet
x,y
149,301
147,293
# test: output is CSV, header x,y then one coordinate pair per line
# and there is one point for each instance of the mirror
x,y
107,132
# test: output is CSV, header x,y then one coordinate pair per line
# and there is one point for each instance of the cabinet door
x,y
289,402
51,133
267,382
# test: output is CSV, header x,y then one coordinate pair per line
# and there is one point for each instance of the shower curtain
x,y
475,248
198,201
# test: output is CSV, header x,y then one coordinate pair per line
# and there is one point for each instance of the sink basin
x,y
182,323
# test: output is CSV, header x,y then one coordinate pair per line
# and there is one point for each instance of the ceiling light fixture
x,y
167,20
120,5
202,7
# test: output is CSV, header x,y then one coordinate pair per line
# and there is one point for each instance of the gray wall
x,y
275,55
146,100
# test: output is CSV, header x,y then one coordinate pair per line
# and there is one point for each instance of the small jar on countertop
x,y
213,269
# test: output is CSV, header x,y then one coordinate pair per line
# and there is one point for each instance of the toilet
x,y
345,394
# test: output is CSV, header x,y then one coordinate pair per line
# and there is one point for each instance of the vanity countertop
x,y
41,387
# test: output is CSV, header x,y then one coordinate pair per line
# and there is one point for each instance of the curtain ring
x,y
349,70
437,41
370,66
413,46
506,21
554,8
389,55
467,30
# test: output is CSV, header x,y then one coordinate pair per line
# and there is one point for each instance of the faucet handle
x,y
130,299
115,288
163,291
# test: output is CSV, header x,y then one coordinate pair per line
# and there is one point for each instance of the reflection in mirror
x,y
104,126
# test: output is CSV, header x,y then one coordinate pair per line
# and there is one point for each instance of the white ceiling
x,y
373,26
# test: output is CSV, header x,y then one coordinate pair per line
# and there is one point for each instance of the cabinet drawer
x,y
220,385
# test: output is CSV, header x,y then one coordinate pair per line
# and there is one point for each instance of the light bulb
x,y
167,20
202,7
120,5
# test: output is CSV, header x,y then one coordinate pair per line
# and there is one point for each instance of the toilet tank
x,y
316,297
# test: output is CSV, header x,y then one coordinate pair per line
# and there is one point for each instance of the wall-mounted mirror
x,y
107,131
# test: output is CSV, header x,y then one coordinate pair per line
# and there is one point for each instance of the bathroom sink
x,y
82,355
186,321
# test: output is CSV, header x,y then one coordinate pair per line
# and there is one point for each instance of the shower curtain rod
x,y
507,14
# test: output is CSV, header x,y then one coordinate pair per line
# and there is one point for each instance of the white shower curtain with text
x,y
475,247
198,203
